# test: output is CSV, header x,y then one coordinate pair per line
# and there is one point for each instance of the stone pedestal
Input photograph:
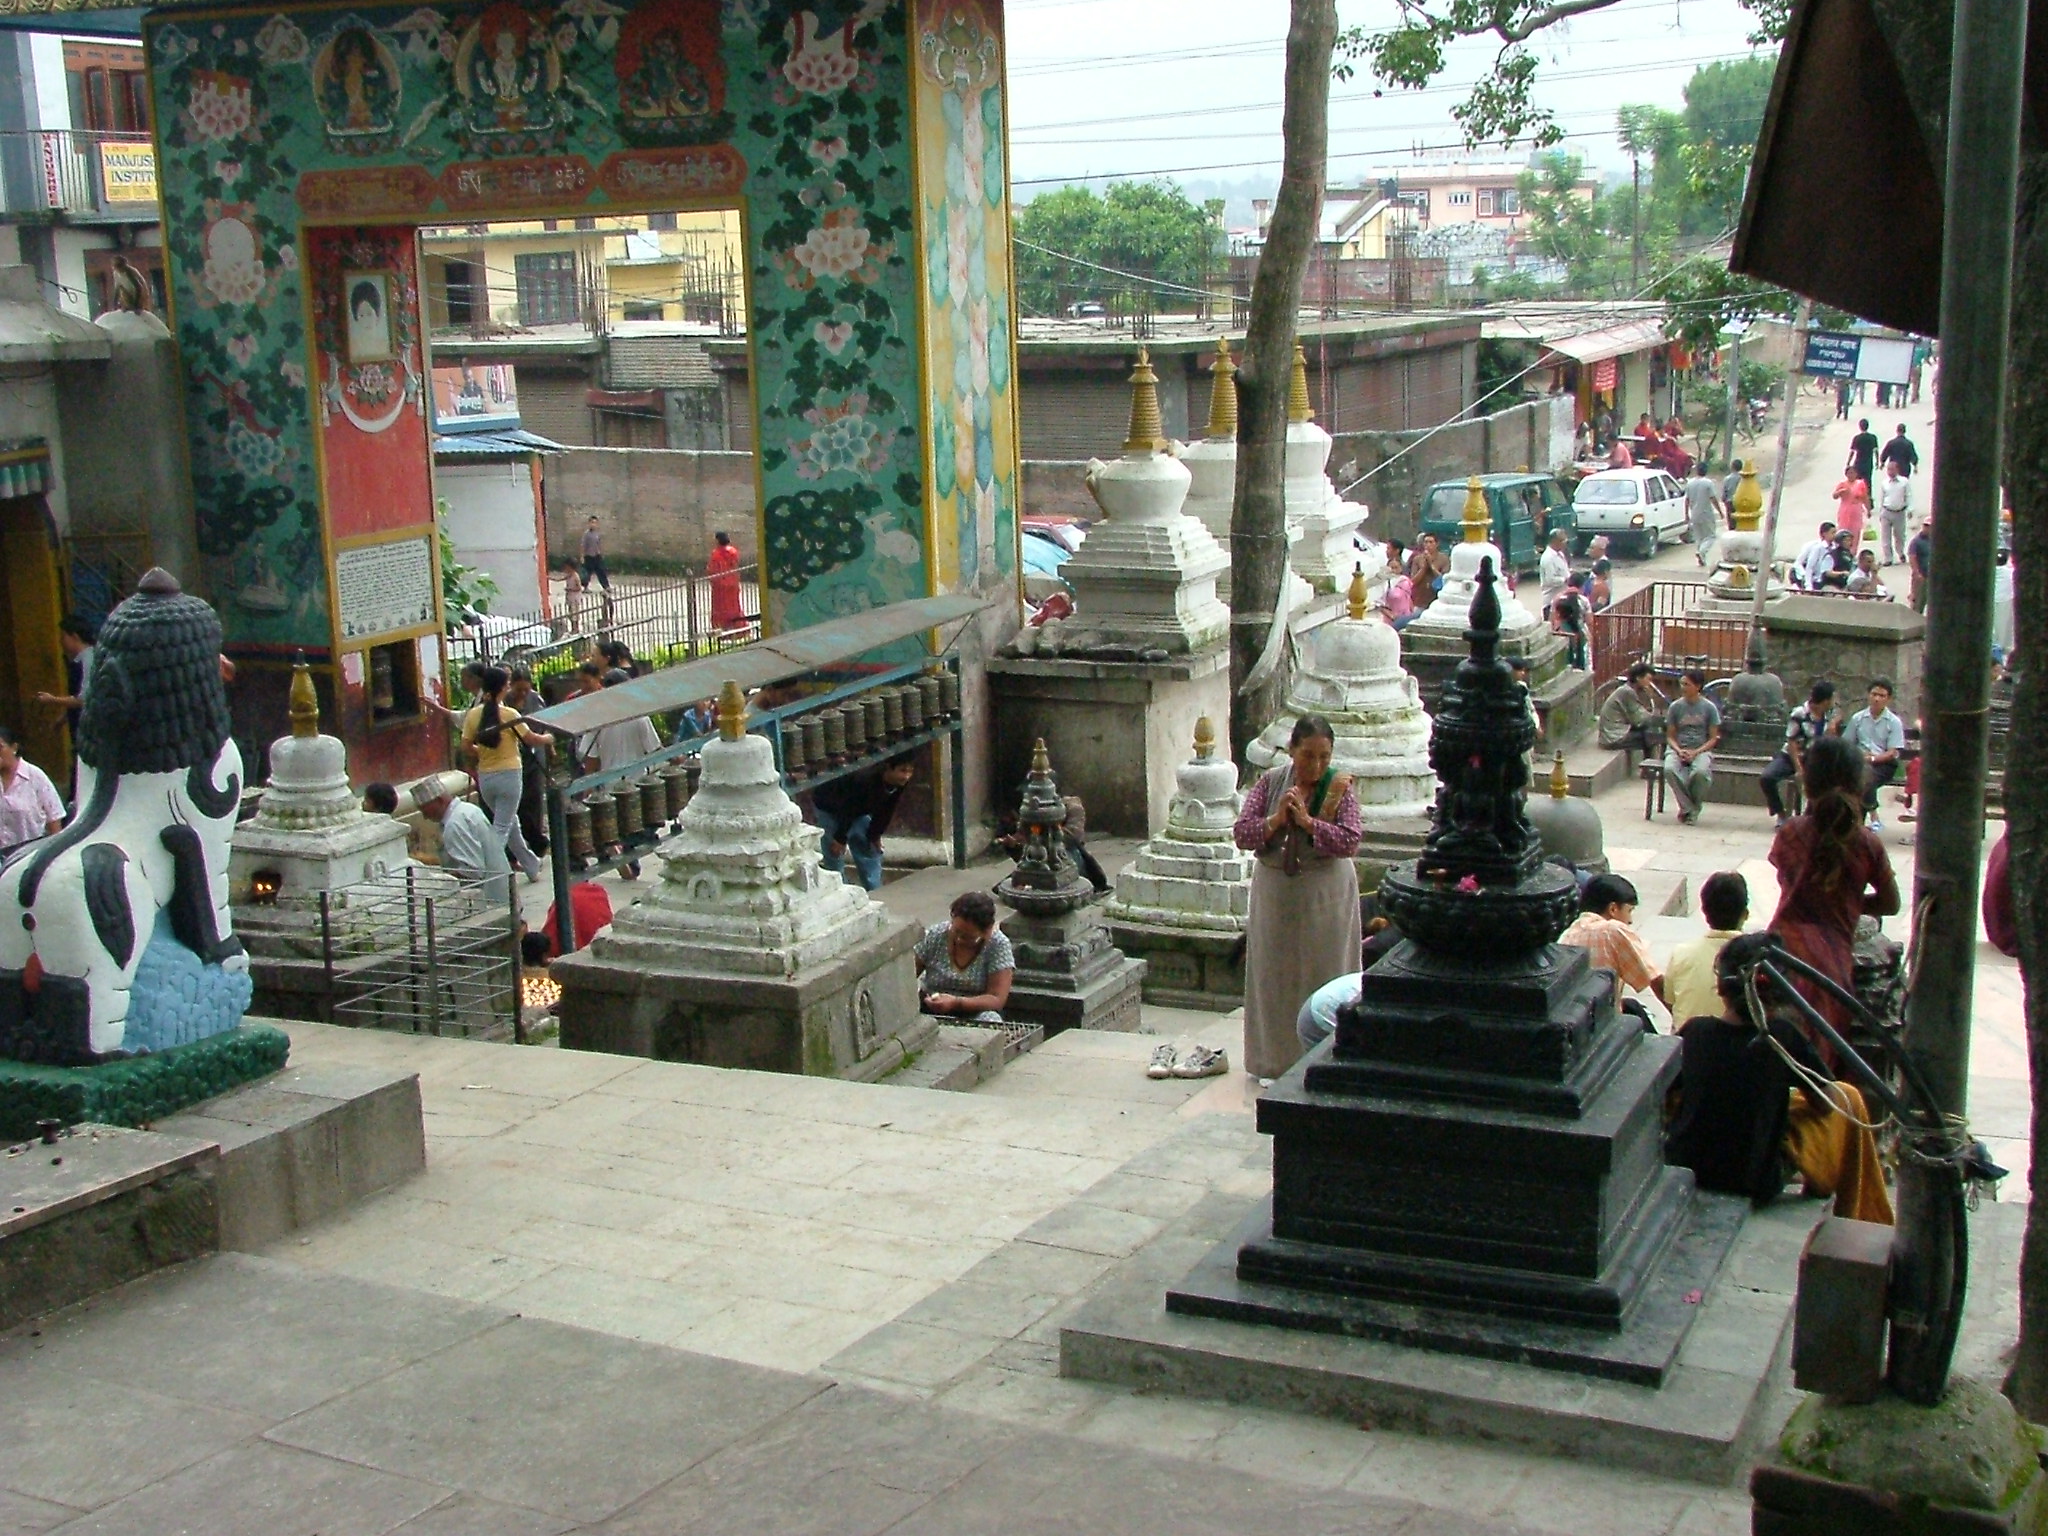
x,y
1118,729
1474,1161
1183,904
1144,580
746,953
1068,974
1850,642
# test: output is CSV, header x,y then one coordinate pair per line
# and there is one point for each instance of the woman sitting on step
x,y
965,964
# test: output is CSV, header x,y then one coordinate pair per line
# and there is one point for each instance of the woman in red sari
x,y
726,612
1832,870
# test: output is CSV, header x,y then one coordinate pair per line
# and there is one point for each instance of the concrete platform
x,y
1704,1423
102,1205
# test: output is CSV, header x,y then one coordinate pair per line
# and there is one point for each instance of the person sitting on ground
x,y
1805,725
380,799
1689,986
30,806
1864,581
853,812
469,846
965,964
1605,929
1744,1114
1692,729
1832,871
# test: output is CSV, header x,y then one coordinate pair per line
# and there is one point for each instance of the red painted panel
x,y
366,328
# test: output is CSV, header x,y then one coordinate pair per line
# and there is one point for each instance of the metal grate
x,y
424,951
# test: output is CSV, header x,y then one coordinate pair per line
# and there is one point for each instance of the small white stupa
x,y
747,953
1145,578
1181,904
1738,559
1352,677
1321,523
1451,611
309,833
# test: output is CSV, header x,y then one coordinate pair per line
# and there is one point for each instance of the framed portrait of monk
x,y
368,297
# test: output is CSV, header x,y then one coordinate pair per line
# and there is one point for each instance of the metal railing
x,y
664,623
50,170
426,951
1659,624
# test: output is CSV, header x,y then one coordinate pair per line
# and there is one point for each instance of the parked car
x,y
1644,506
494,637
1525,509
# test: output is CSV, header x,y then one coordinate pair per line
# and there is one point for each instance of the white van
x,y
1641,506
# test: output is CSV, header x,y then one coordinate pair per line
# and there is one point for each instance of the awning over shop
x,y
756,666
1614,341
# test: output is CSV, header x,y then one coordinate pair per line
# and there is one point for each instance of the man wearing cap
x,y
468,844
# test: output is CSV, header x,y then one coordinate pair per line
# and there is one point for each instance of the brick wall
x,y
655,504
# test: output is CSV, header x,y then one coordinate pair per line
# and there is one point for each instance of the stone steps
x,y
964,1056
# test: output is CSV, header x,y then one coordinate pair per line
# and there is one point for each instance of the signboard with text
x,y
381,590
1846,355
128,171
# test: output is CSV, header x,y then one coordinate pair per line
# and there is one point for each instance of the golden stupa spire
x,y
305,703
1148,433
732,711
1041,764
1477,522
1560,781
1223,393
1354,597
1297,388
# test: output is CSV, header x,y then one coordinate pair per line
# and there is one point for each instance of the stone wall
x,y
1536,435
1849,642
1054,488
655,504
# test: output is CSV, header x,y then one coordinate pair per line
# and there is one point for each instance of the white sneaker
x,y
1161,1064
1201,1061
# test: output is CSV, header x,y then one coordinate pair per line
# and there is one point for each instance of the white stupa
x,y
1451,611
742,891
1352,677
1183,904
1212,468
309,833
1145,578
1321,523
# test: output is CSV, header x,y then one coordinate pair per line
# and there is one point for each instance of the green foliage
x,y
1565,225
1149,229
465,590
1500,362
1725,101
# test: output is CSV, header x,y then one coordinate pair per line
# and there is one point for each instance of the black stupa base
x,y
1641,1354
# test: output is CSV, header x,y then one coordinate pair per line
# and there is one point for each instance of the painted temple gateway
x,y
302,147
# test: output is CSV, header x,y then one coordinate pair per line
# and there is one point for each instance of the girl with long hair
x,y
1832,871
491,733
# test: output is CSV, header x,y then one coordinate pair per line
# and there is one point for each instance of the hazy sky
x,y
1192,87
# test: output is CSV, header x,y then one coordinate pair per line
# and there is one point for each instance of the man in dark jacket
x,y
854,812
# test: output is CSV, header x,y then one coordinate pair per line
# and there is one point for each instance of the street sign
x,y
1845,355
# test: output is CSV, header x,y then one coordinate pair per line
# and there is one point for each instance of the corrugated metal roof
x,y
763,662
660,362
505,443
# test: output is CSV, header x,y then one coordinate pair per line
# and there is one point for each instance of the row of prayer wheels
x,y
634,813
868,725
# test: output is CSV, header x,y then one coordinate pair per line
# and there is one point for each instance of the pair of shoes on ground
x,y
1181,1058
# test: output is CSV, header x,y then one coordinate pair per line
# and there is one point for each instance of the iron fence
x,y
1661,625
423,951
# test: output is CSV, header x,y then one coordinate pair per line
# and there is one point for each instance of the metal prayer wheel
x,y
913,709
627,798
796,761
675,783
892,712
835,735
653,802
604,819
856,719
928,699
949,694
814,741
695,770
877,719
581,849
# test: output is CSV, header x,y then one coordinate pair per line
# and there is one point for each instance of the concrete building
x,y
1607,356
77,169
1449,191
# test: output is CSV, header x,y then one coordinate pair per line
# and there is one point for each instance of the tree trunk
x,y
2026,763
1258,515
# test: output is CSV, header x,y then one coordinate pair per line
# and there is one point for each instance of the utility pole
x,y
1792,375
1976,301
1635,218
1734,390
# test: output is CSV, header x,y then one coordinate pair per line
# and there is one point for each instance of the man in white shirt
x,y
1880,735
1554,569
29,807
1893,498
469,846
623,742
1816,559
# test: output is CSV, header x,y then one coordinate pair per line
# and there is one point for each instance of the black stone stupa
x,y
1474,1162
